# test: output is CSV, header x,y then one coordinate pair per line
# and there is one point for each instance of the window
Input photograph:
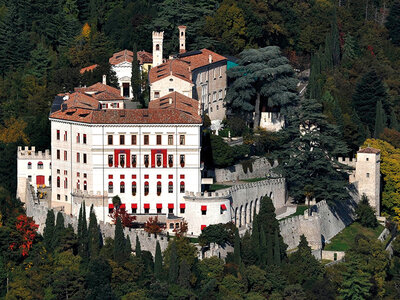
x,y
182,208
146,139
171,208
201,77
110,187
65,136
122,139
29,165
66,198
84,138
110,160
146,188
146,209
220,72
30,178
204,210
58,154
58,181
78,185
158,188
84,175
170,139
134,208
157,47
58,134
133,188
78,138
182,160
217,107
65,183
170,160
58,197
158,160
181,139
182,189
40,165
146,160
84,158
122,187
122,160
215,73
170,187
78,157
133,162
110,139
159,208
110,208
85,185
367,159
220,95
156,94
214,96
65,155
158,139
171,225
170,90
58,171
367,175
133,137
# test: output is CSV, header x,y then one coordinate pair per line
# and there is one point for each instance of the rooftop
x,y
176,67
177,101
143,57
89,68
101,92
369,150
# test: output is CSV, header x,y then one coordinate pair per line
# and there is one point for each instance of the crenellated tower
x,y
158,38
182,39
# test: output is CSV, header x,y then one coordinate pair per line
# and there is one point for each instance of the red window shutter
x,y
182,176
122,206
158,176
203,226
117,105
146,205
203,207
170,205
122,176
134,205
110,206
170,176
182,205
146,176
133,176
159,205
110,177
223,206
106,105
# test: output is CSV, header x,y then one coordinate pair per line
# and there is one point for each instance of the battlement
x,y
347,161
159,35
30,153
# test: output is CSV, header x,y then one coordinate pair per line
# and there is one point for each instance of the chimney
x,y
170,100
158,38
104,79
210,59
182,39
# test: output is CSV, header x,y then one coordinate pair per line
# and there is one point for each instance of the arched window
x,y
110,187
146,188
40,165
182,187
170,187
78,185
85,185
157,47
133,188
29,165
58,181
122,187
158,188
65,183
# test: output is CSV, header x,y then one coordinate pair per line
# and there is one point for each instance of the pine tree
x,y
368,92
173,264
309,157
48,232
158,262
236,249
138,249
119,243
93,234
184,275
135,76
277,250
253,84
380,120
355,283
349,50
393,23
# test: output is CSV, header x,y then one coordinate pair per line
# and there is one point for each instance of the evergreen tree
x,y
393,121
263,260
173,264
58,230
48,232
254,86
128,247
277,250
236,249
314,89
138,249
135,76
365,213
40,62
158,262
393,23
184,275
255,237
310,155
269,249
349,50
328,53
83,233
335,40
119,243
93,234
355,283
380,120
368,92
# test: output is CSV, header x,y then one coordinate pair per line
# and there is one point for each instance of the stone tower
x,y
158,38
368,175
182,39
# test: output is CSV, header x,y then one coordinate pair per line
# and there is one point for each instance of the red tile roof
x,y
102,92
177,101
127,116
369,150
127,55
176,67
89,68
202,58
80,100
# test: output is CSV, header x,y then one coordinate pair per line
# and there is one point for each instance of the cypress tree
x,y
269,249
236,249
83,241
380,120
393,120
263,248
135,76
158,262
184,274
93,234
119,243
58,230
277,250
138,249
393,23
328,53
173,264
80,226
255,237
128,248
335,40
48,232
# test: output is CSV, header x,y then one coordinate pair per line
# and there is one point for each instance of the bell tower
x,y
182,39
158,38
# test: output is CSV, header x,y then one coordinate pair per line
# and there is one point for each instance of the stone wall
x,y
260,168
